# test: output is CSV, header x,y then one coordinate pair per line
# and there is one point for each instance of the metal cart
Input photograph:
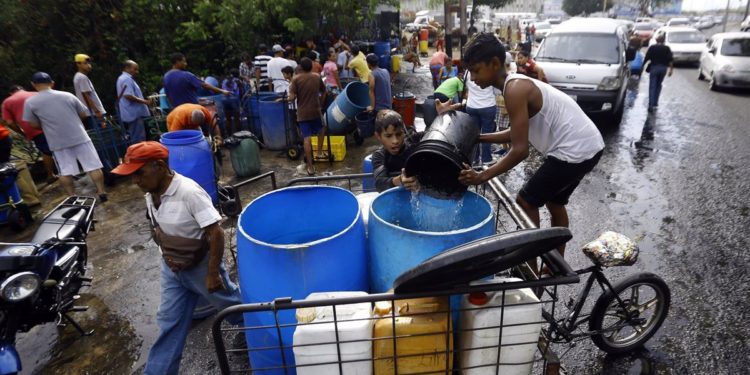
x,y
504,254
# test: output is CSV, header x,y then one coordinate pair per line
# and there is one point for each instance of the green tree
x,y
578,7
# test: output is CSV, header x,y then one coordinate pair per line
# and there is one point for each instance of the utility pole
x,y
604,8
747,9
726,18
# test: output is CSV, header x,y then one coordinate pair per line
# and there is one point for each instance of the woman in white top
x,y
542,116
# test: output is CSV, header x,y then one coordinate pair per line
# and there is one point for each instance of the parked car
x,y
678,21
644,31
645,20
585,58
725,61
542,30
745,25
686,43
705,22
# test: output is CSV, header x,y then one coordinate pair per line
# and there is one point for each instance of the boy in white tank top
x,y
542,116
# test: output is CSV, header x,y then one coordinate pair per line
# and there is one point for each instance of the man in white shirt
x,y
179,208
85,90
542,116
275,65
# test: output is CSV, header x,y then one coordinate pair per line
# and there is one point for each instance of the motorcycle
x,y
40,280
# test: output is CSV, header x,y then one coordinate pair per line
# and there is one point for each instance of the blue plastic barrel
x,y
384,61
368,183
382,48
404,230
272,117
293,242
190,155
8,189
211,81
163,102
253,111
352,100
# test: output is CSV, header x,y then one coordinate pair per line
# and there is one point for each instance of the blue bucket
x,y
400,237
284,251
382,48
272,125
190,155
368,183
351,101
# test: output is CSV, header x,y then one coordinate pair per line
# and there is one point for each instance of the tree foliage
x,y
578,7
46,34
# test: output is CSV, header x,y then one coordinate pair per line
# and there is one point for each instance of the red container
x,y
424,34
405,103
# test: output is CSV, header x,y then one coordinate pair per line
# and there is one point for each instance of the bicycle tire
x,y
607,305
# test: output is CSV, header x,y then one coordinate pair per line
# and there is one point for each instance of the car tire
x,y
712,85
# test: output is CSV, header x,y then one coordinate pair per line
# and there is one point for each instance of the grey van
x,y
585,58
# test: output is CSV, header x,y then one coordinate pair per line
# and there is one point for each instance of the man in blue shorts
x,y
309,91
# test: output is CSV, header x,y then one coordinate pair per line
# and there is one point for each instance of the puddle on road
x,y
112,349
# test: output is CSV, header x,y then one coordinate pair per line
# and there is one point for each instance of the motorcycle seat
x,y
57,226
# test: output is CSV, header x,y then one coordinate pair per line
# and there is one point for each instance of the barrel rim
x,y
241,228
426,233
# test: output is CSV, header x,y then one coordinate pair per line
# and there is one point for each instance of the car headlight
x,y
609,83
19,286
727,68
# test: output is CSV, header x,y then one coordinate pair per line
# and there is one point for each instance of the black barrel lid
x,y
478,259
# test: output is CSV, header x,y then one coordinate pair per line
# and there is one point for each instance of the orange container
x,y
405,103
424,330
424,34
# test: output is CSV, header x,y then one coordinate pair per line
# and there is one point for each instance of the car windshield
x,y
736,47
580,47
644,26
685,37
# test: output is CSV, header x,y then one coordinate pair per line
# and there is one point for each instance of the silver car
x,y
725,61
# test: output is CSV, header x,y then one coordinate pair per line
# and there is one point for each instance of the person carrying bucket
x,y
186,227
542,116
309,91
397,144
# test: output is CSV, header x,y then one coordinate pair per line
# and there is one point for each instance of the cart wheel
x,y
358,139
293,153
17,220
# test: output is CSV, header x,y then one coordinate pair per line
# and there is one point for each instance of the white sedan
x,y
725,61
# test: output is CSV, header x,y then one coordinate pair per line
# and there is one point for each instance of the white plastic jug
x,y
522,312
322,337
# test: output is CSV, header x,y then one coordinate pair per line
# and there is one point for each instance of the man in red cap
x,y
186,228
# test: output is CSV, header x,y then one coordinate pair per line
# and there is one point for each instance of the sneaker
x,y
103,197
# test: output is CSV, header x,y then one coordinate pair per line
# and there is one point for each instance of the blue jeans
x,y
136,130
656,77
179,294
485,118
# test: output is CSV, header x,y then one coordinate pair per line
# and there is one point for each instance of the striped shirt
x,y
261,64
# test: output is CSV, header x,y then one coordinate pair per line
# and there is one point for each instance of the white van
x,y
585,58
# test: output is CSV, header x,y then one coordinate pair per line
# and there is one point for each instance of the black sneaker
x,y
103,197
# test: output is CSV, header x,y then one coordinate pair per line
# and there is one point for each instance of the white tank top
x,y
561,129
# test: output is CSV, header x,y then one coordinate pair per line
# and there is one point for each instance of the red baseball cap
x,y
139,154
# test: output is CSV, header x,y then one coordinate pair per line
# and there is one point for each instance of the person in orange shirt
x,y
193,117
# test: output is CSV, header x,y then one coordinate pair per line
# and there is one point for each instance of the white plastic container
x,y
521,307
348,330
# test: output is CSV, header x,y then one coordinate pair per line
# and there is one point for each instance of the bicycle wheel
x,y
646,297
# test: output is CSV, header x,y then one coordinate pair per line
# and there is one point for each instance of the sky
x,y
699,5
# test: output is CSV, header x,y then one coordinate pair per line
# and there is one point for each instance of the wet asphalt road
x,y
677,180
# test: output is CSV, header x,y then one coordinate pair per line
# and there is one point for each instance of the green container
x,y
155,127
245,158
